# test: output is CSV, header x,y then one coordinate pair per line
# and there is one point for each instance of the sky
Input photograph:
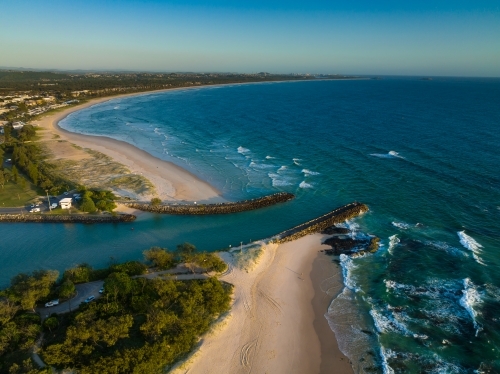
x,y
431,38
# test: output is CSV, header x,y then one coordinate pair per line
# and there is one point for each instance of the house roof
x,y
66,200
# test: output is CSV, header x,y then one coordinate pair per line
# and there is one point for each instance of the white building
x,y
66,203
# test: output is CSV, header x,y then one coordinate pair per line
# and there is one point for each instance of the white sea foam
x,y
469,243
386,354
116,107
393,242
279,181
445,247
348,266
283,168
309,172
270,157
401,225
385,321
296,161
390,154
303,184
256,165
243,150
471,298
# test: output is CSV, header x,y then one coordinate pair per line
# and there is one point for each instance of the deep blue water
x,y
423,155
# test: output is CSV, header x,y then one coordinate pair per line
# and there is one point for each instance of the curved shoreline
x,y
171,182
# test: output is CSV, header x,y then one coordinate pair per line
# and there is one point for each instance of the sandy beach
x,y
170,181
276,324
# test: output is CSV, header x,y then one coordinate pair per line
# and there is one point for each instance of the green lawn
x,y
14,195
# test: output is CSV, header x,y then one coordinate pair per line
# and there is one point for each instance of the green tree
x,y
30,288
15,173
186,251
87,204
67,289
155,201
159,257
51,323
118,285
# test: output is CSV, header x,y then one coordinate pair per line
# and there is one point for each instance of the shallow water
x,y
422,154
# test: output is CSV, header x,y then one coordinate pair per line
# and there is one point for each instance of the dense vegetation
x,y
105,83
139,325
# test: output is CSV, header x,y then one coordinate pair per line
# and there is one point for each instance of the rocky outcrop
x,y
334,230
321,223
66,218
220,208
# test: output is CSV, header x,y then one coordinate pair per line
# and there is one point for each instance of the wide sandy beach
x,y
171,182
277,323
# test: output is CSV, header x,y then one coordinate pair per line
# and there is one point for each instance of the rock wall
x,y
220,208
321,223
66,218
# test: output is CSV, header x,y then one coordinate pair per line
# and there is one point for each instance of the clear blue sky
x,y
457,38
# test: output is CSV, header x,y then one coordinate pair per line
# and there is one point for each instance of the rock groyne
x,y
66,218
219,208
321,223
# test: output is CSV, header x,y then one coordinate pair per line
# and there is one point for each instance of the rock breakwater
x,y
219,208
66,218
321,223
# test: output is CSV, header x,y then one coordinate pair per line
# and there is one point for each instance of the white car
x,y
35,210
53,205
89,299
52,303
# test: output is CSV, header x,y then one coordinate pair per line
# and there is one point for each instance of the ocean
x,y
422,154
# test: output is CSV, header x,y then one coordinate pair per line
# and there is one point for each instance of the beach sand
x,y
277,322
170,181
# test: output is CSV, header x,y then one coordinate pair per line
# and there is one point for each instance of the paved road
x,y
85,290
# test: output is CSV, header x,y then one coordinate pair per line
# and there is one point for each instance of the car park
x,y
52,303
89,299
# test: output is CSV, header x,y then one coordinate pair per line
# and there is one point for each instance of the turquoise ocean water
x,y
424,155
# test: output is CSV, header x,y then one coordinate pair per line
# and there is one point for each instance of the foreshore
x,y
277,323
171,182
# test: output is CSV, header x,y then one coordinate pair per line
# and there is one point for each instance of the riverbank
x,y
277,322
170,182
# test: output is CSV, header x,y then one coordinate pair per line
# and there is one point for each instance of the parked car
x,y
52,303
53,205
89,299
35,210
101,290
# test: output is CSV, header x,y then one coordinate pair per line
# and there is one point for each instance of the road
x,y
85,290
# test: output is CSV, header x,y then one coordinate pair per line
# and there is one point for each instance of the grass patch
x,y
14,195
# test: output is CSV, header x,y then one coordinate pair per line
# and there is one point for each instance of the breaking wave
x,y
309,172
469,243
303,184
390,154
243,150
471,297
393,242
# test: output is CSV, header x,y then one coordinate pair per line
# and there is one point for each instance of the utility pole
x,y
48,200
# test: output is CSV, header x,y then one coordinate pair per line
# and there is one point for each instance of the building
x,y
66,203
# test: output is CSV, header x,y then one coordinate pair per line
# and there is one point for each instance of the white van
x,y
35,210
